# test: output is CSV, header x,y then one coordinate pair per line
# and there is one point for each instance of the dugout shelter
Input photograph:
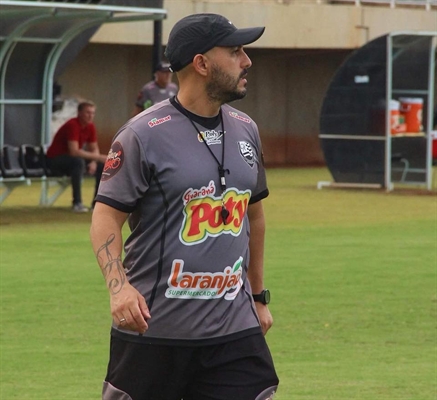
x,y
362,145
38,39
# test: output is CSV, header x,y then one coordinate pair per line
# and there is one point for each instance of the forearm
x,y
255,272
107,242
89,155
128,306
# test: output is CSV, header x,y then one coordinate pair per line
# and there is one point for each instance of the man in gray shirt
x,y
188,301
161,88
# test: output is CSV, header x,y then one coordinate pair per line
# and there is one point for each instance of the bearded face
x,y
223,87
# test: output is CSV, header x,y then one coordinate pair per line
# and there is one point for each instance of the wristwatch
x,y
263,297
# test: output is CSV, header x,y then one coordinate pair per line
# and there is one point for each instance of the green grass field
x,y
353,275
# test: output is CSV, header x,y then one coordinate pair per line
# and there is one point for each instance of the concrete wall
x,y
111,76
285,93
289,24
293,64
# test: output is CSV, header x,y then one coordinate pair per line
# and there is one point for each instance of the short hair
x,y
84,104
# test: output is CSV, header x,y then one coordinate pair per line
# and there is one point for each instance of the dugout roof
x,y
37,40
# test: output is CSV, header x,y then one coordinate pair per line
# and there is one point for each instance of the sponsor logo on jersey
x,y
204,285
202,213
235,115
247,153
210,137
114,161
158,121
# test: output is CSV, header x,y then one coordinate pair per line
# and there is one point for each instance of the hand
x,y
92,166
265,318
129,309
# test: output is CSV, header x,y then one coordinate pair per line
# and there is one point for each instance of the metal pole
x,y
430,113
389,72
157,45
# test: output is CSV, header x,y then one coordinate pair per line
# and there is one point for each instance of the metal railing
x,y
426,4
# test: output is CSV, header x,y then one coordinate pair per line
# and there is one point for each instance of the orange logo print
x,y
202,218
204,285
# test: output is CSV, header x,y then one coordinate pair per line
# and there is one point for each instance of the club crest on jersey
x,y
210,137
114,161
247,153
204,285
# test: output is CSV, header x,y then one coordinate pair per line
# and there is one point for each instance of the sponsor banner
x,y
235,115
210,137
202,213
158,121
204,285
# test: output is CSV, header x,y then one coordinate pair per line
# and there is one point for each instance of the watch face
x,y
267,296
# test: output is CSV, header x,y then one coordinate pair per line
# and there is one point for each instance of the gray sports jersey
x,y
190,267
151,94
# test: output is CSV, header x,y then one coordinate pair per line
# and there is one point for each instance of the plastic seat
x,y
32,160
10,162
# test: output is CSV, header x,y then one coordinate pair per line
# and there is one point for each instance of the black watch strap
x,y
263,297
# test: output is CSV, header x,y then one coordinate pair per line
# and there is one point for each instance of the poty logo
x,y
204,285
233,114
202,213
210,137
156,121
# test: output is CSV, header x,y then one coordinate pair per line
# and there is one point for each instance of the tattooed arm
x,y
128,307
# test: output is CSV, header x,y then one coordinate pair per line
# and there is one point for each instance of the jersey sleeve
x,y
126,175
261,191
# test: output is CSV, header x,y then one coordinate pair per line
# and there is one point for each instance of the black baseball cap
x,y
198,33
163,66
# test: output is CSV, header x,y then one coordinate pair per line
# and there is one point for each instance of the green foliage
x,y
352,273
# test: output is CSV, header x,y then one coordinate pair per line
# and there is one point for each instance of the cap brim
x,y
242,37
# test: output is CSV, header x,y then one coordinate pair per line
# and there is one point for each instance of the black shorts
x,y
242,369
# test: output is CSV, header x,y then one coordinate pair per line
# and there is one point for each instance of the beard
x,y
223,88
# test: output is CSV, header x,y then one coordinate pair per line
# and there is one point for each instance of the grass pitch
x,y
353,275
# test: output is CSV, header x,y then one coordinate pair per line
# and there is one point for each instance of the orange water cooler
x,y
412,110
396,122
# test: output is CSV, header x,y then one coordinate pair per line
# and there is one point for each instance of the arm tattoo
x,y
115,284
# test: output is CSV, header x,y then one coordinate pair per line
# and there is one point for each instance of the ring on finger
x,y
122,320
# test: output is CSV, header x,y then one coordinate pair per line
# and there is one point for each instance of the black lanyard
x,y
221,165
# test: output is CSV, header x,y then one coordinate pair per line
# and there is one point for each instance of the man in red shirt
x,y
74,146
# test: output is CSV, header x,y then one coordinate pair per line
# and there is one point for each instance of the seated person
x,y
75,147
